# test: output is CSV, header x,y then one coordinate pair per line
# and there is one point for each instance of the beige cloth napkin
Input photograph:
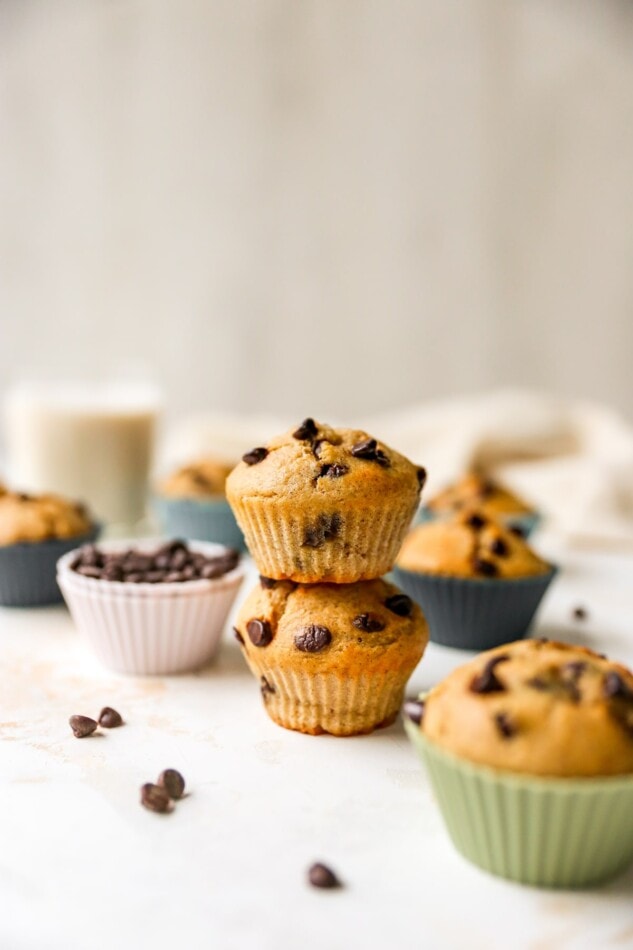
x,y
572,459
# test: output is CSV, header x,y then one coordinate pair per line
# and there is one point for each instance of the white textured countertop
x,y
83,865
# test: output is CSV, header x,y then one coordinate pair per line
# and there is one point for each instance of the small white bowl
x,y
150,628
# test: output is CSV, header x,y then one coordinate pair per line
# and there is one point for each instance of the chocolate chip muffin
x,y
324,505
469,544
478,490
529,749
538,707
331,658
40,518
478,582
204,478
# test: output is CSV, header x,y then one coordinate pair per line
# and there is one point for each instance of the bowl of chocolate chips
x,y
150,607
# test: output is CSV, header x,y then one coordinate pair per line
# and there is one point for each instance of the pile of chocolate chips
x,y
171,563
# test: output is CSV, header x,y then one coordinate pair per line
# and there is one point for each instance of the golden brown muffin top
x,y
536,707
203,478
338,465
40,517
341,628
480,491
469,544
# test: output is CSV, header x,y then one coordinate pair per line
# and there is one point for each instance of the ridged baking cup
x,y
28,570
150,628
552,832
318,547
525,523
473,613
317,703
199,519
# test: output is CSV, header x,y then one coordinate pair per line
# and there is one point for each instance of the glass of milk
x,y
90,442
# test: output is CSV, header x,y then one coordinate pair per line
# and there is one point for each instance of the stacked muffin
x,y
324,512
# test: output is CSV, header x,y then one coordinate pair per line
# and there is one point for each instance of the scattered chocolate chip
x,y
499,547
326,528
155,798
260,632
267,582
413,709
333,471
614,686
255,455
579,613
313,638
173,783
368,623
487,681
306,431
476,521
319,875
399,604
266,688
109,718
482,566
505,725
421,473
82,726
238,636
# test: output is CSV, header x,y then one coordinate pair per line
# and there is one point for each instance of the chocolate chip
x,y
413,709
482,566
89,555
88,571
369,451
579,613
238,636
518,530
155,798
421,473
333,471
112,572
172,563
82,726
368,623
486,489
173,783
499,547
575,669
505,726
487,681
399,604
319,875
266,688
476,521
306,431
259,632
326,528
255,455
313,638
210,571
109,718
267,582
614,686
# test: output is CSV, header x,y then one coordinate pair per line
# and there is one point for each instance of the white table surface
x,y
83,865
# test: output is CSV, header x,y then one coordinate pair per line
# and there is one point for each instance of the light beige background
x,y
333,206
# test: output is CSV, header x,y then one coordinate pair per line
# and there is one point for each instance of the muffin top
x,y
536,707
342,628
469,544
40,518
204,478
339,465
477,490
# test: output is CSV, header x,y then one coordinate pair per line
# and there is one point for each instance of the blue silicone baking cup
x,y
28,570
526,524
199,520
473,613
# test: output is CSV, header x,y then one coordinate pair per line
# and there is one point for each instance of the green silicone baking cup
x,y
549,832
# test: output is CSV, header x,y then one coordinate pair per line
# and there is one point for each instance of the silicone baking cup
x,y
150,628
199,519
475,613
550,832
28,570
